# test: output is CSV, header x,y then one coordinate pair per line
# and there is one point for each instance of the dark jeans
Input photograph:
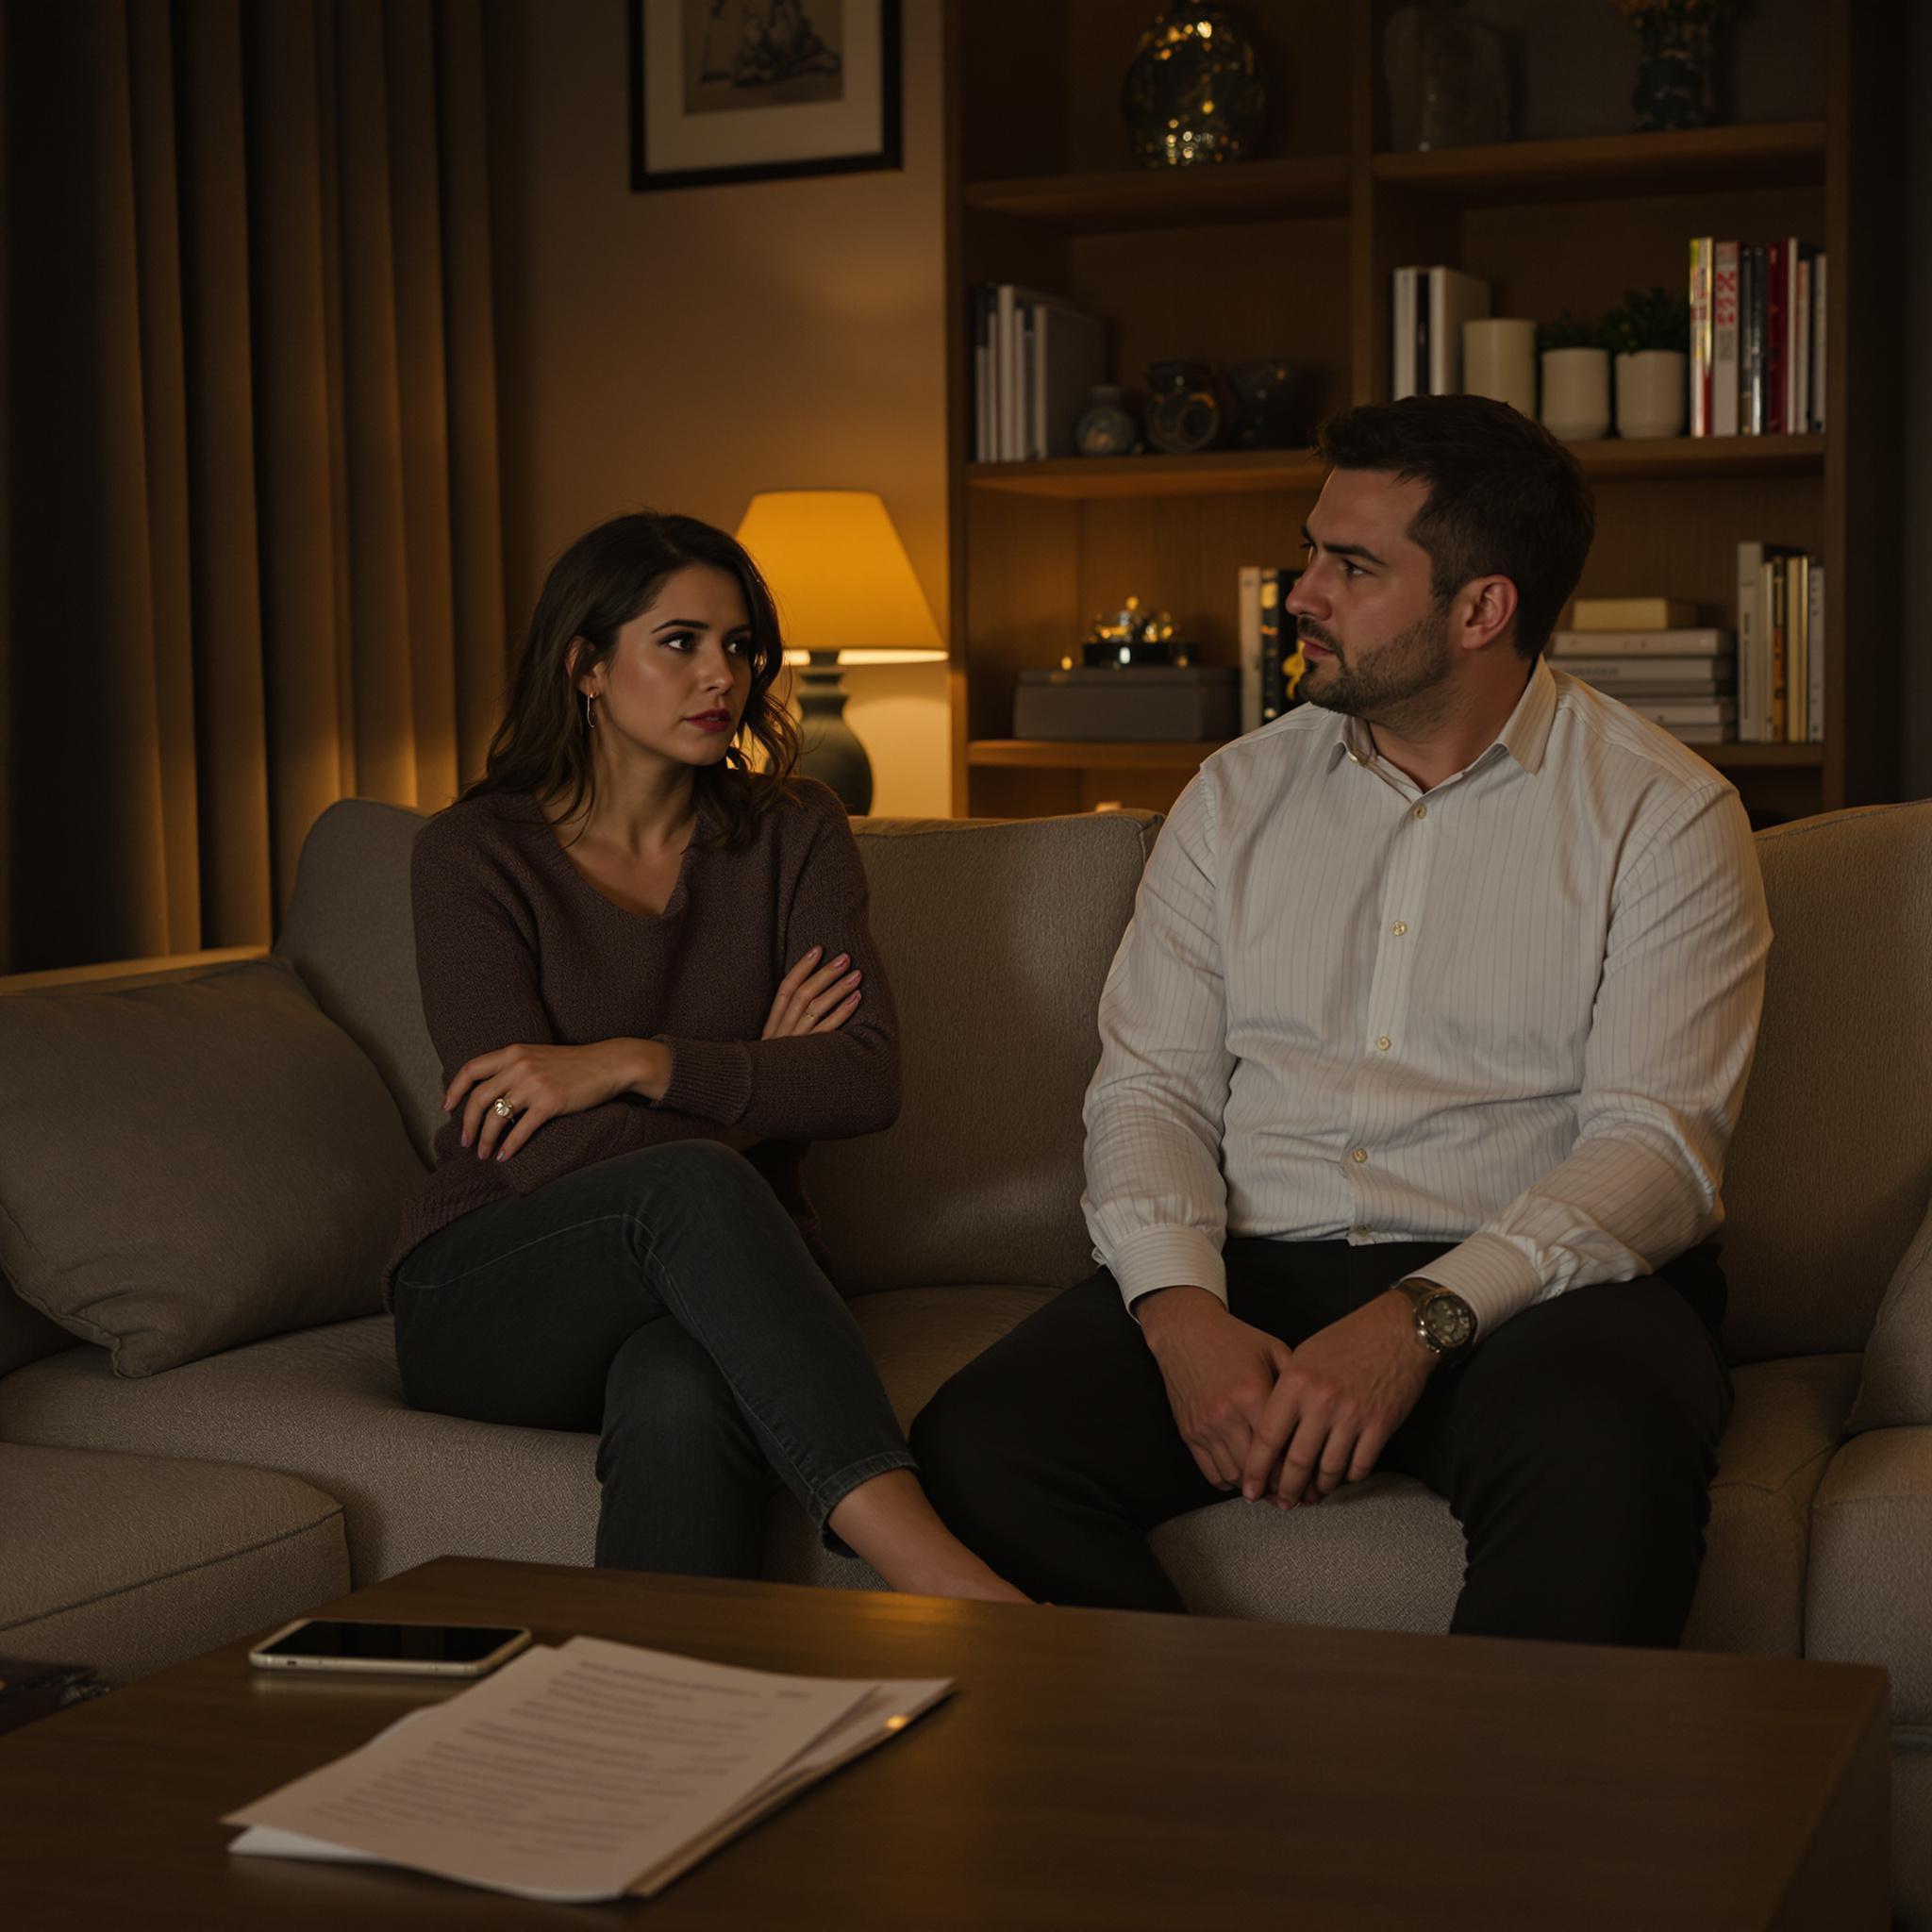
x,y
666,1299
1576,1445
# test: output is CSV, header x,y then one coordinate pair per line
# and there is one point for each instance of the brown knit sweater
x,y
514,946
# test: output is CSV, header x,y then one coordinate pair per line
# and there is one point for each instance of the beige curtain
x,y
252,558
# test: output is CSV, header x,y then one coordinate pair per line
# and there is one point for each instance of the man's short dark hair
x,y
1506,499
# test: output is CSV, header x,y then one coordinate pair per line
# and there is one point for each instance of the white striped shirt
x,y
1515,1012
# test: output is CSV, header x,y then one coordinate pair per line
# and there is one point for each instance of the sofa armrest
x,y
1871,1572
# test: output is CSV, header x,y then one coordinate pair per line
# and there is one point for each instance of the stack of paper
x,y
587,1772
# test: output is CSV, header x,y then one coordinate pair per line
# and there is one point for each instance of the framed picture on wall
x,y
726,91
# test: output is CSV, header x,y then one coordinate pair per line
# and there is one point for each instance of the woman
x,y
648,975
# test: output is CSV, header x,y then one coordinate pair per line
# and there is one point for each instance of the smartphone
x,y
415,1650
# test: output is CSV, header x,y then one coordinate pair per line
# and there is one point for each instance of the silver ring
x,y
811,1012
504,1110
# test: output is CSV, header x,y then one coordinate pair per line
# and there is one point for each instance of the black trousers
x,y
1576,1445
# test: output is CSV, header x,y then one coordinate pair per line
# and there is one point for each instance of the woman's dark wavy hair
x,y
606,577
1505,496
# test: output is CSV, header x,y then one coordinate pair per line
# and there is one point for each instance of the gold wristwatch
x,y
1444,1321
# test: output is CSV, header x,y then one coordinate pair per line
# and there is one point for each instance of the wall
x,y
684,349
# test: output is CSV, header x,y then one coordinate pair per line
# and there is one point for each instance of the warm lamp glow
x,y
841,576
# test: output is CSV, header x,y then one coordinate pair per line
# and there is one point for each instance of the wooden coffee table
x,y
1094,1769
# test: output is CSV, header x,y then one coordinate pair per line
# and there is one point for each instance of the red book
x,y
1774,341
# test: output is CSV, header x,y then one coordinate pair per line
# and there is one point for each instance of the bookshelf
x,y
1290,255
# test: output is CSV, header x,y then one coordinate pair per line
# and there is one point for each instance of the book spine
x,y
1815,668
1274,694
1798,676
1002,370
1777,579
1701,641
1793,256
1801,358
1750,559
1702,314
1750,320
1402,335
982,376
1424,304
1723,348
1775,340
1824,307
1249,595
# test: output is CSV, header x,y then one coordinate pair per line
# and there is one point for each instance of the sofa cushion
x,y
190,1165
1831,1167
326,1406
26,1334
1870,1594
133,1563
1896,1390
998,938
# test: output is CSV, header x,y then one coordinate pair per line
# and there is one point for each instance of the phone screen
x,y
426,1644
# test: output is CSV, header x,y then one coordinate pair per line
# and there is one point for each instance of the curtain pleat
x,y
231,742
252,556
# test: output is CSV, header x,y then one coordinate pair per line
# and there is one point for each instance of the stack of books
x,y
1651,653
1427,307
1780,646
1756,338
1035,359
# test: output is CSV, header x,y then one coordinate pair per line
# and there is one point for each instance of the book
x,y
984,443
1702,317
1402,324
1755,639
1248,608
1691,676
1671,713
1774,359
1777,600
1631,613
1723,353
1801,359
1454,299
1068,358
1821,308
1565,644
647,1763
1268,630
1798,667
1814,666
1751,341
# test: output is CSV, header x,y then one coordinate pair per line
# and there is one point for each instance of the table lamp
x,y
846,595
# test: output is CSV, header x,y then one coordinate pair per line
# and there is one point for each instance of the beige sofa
x,y
144,1519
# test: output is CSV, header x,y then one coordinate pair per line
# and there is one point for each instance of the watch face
x,y
1450,1320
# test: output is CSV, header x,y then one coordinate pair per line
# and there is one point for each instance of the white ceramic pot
x,y
1576,393
1653,392
1499,360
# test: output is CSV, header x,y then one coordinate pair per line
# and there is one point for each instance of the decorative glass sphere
x,y
1193,92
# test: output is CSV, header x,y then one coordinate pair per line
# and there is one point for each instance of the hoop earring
x,y
590,710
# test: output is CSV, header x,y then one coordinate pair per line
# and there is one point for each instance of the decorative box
x,y
1157,703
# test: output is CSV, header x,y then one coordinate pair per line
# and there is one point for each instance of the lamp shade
x,y
841,576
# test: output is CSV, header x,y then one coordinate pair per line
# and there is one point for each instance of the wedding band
x,y
504,1110
811,1012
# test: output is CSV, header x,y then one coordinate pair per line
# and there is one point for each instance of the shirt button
x,y
1422,811
1400,928
1360,1155
1364,1232
1382,1045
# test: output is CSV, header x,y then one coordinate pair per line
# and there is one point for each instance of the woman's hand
x,y
540,1082
813,998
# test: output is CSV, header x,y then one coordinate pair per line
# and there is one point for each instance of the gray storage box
x,y
1155,702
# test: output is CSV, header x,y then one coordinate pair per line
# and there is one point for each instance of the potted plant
x,y
1651,337
1576,379
1676,69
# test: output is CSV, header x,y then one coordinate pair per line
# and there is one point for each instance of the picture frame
x,y
726,92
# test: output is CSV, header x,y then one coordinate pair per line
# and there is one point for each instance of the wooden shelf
x,y
1080,754
1166,198
1252,473
1221,472
1697,160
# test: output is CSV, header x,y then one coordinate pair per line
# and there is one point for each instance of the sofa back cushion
x,y
997,936
190,1165
1832,1163
26,1334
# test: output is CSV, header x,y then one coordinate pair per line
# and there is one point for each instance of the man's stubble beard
x,y
1405,680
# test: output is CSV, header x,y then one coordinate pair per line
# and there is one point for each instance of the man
x,y
1419,1061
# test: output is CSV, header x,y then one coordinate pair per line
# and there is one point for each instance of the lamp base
x,y
831,753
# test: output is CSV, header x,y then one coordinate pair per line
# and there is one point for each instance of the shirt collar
x,y
1526,736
